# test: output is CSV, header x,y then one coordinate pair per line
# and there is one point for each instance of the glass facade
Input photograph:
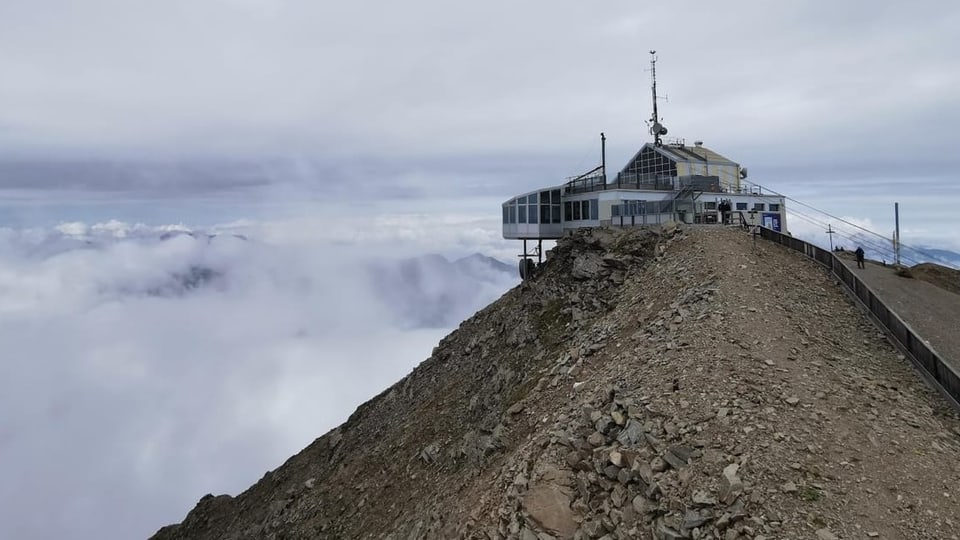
x,y
581,210
649,170
542,207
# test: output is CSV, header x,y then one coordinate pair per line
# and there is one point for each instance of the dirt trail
x,y
932,311
866,428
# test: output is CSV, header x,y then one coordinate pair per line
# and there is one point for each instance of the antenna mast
x,y
656,128
653,88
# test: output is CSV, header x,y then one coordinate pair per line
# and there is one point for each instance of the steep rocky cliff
x,y
667,384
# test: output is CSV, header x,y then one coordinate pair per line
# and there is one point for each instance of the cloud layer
x,y
128,394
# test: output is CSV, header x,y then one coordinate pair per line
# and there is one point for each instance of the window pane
x,y
567,211
513,213
532,198
555,197
532,213
522,213
741,206
576,210
710,205
774,207
758,206
594,209
555,213
506,214
544,213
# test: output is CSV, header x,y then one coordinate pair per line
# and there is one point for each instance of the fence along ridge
x,y
938,373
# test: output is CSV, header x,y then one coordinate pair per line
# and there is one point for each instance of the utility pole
x,y
831,232
896,233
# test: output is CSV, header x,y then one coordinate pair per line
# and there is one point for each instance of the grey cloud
x,y
170,178
432,291
373,177
430,80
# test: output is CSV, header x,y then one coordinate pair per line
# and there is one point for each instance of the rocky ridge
x,y
675,384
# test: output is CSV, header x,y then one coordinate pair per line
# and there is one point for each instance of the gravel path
x,y
931,311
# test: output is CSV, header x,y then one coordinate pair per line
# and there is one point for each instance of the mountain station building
x,y
662,182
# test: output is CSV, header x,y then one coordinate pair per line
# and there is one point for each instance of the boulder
x,y
586,266
549,507
730,484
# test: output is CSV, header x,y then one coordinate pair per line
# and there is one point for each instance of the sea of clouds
x,y
144,367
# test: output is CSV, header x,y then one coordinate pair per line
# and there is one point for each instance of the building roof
x,y
679,153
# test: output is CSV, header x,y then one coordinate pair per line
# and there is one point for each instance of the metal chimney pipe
x,y
603,156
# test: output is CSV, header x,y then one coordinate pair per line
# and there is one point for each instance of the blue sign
x,y
771,221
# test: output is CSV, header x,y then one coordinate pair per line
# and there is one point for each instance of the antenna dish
x,y
743,172
658,129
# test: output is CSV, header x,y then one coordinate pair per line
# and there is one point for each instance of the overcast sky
x,y
382,100
452,90
328,131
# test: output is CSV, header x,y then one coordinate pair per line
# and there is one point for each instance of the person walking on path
x,y
859,253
